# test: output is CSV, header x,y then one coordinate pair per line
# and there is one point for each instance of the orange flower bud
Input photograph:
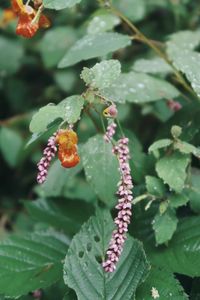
x,y
44,22
65,136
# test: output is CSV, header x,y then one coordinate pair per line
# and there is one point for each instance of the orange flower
x,y
67,153
29,20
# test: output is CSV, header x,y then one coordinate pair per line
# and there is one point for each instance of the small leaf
x,y
72,107
172,169
164,226
178,200
165,284
126,7
101,168
160,144
155,186
139,88
45,116
60,4
83,271
176,131
152,66
91,46
34,260
102,74
10,145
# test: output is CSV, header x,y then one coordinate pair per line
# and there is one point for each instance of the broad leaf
x,y
164,283
60,4
91,46
187,148
101,168
139,88
102,21
177,200
34,261
10,145
63,216
152,66
155,186
172,169
102,74
44,117
164,226
182,254
126,7
72,107
83,271
11,55
55,43
179,49
193,190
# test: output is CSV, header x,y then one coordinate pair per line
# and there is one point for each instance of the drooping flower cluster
x,y
110,132
67,140
29,19
125,185
67,152
48,154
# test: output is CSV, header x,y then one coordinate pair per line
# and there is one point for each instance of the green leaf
x,y
91,46
160,144
54,44
11,55
44,117
172,169
126,7
182,254
72,107
84,273
155,186
102,21
153,66
101,168
102,74
33,260
164,226
62,216
178,200
164,282
187,148
10,145
139,88
60,4
65,80
193,190
179,49
53,187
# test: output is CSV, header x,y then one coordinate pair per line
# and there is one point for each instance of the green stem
x,y
153,46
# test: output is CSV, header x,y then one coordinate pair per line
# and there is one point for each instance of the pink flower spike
x,y
48,154
124,205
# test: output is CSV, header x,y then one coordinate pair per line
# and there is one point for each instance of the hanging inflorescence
x,y
124,193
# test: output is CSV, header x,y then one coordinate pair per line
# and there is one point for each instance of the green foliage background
x,y
90,52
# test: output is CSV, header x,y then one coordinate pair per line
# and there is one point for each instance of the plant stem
x,y
156,49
